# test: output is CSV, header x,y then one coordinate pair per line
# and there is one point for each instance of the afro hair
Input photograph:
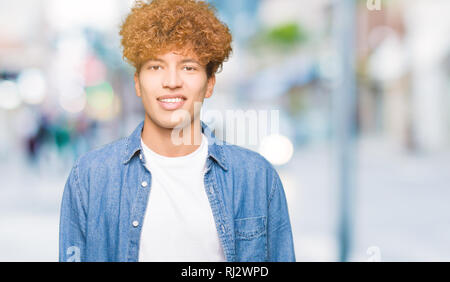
x,y
161,26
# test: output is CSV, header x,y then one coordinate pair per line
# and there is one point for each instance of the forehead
x,y
178,55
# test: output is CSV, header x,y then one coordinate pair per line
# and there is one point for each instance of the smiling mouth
x,y
171,100
171,103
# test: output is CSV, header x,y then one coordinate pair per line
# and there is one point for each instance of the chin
x,y
169,123
170,120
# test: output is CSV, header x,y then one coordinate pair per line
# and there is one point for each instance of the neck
x,y
169,142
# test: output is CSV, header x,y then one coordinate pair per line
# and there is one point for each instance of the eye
x,y
189,68
154,67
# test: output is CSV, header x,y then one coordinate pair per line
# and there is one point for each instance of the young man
x,y
171,191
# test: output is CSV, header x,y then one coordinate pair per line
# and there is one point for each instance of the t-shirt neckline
x,y
174,159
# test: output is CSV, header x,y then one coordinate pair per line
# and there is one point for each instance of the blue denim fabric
x,y
104,203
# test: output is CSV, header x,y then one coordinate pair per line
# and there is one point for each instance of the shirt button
x,y
223,228
144,183
140,156
135,223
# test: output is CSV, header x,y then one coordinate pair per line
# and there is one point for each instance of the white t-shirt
x,y
179,224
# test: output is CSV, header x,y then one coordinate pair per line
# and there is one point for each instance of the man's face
x,y
172,82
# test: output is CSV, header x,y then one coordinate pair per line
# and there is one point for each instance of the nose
x,y
172,79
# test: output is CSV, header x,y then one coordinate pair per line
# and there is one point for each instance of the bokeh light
x,y
277,149
32,86
9,95
73,103
102,103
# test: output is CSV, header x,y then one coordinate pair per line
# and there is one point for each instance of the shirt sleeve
x,y
280,241
72,227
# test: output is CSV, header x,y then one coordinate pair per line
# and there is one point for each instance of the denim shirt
x,y
106,195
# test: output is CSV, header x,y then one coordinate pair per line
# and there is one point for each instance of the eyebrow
x,y
156,60
190,61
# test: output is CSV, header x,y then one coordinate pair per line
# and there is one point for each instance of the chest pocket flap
x,y
250,227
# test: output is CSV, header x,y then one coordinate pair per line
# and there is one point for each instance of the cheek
x,y
197,86
149,86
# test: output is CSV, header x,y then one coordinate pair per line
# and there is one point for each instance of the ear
x,y
137,85
211,83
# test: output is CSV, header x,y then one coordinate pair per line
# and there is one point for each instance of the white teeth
x,y
175,100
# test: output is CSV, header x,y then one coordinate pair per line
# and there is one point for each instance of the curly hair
x,y
164,25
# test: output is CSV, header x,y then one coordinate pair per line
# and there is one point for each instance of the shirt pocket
x,y
251,238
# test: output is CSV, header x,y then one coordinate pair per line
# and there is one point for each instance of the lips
x,y
171,102
171,97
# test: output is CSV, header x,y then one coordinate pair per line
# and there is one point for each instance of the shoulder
x,y
250,167
252,173
103,158
240,157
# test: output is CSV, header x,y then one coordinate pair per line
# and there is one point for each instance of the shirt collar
x,y
215,150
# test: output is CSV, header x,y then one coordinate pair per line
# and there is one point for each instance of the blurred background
x,y
363,94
